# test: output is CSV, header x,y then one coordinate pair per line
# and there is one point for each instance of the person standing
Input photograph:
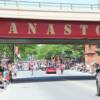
x,y
62,66
1,68
9,65
31,66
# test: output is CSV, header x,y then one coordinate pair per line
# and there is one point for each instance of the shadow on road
x,y
52,78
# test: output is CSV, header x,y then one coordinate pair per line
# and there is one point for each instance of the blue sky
x,y
67,1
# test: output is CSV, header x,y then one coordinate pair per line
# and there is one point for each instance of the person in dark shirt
x,y
1,68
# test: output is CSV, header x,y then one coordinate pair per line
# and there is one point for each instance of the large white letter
x,y
84,29
13,29
67,29
50,30
32,28
98,30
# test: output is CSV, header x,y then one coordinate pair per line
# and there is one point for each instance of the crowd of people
x,y
83,67
69,64
42,64
8,69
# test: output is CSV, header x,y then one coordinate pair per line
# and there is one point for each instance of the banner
x,y
17,52
24,28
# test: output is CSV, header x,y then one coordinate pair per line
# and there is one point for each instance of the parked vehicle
x,y
50,70
98,81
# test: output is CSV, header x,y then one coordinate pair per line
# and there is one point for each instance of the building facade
x,y
92,54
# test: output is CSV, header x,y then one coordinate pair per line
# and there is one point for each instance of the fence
x,y
12,4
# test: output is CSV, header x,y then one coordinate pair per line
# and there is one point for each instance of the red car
x,y
51,70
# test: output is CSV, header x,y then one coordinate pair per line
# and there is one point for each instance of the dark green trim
x,y
51,41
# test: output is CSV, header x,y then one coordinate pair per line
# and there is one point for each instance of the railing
x,y
12,4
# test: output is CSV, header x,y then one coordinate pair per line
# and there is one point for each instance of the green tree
x,y
47,50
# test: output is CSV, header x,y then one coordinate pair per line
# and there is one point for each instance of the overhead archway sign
x,y
24,28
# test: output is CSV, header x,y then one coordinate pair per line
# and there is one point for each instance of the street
x,y
62,90
51,90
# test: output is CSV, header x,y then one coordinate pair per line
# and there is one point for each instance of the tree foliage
x,y
41,51
7,51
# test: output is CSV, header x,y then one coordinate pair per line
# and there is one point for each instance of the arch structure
x,y
28,26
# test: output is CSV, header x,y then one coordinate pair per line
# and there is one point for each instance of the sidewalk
x,y
41,76
28,74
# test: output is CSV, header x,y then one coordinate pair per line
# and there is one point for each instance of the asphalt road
x,y
51,90
55,90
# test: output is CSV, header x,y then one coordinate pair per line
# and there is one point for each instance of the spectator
x,y
62,66
1,68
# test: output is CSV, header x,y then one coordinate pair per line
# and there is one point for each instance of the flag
x,y
17,52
